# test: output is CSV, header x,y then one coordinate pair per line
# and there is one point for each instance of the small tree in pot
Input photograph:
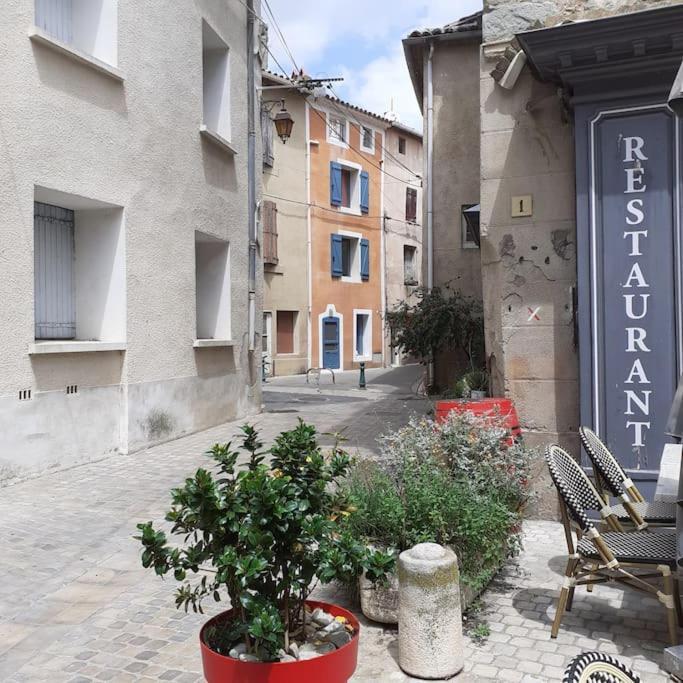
x,y
261,535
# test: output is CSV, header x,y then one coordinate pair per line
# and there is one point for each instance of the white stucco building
x,y
124,238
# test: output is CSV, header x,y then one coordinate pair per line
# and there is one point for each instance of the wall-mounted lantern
x,y
283,123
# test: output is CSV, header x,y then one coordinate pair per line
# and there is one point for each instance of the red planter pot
x,y
500,407
335,667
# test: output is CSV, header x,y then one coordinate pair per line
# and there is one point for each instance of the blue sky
x,y
361,41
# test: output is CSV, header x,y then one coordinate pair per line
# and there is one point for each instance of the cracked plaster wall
x,y
529,263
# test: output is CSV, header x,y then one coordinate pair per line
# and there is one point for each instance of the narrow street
x,y
75,604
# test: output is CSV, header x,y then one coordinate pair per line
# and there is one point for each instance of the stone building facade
x,y
123,237
585,114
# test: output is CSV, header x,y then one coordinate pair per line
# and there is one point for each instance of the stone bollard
x,y
429,616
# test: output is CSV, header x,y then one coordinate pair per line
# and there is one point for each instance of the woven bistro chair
x,y
610,475
595,667
631,558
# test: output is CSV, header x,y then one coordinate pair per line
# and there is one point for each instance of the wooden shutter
x,y
335,183
364,259
364,191
336,256
269,211
55,307
267,138
54,17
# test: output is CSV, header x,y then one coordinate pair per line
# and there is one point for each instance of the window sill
x,y
216,139
210,343
67,346
350,278
338,143
369,150
352,212
39,36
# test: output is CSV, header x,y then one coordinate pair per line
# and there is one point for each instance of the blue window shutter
x,y
336,255
364,259
364,191
335,183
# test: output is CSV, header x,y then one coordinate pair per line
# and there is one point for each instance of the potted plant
x,y
261,534
457,483
473,384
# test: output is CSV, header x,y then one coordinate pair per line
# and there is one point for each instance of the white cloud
x,y
312,27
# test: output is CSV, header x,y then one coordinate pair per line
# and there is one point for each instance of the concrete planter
x,y
380,603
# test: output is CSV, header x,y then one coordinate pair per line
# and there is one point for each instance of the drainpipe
x,y
430,192
251,172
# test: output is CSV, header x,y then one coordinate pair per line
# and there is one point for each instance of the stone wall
x,y
504,18
529,263
456,176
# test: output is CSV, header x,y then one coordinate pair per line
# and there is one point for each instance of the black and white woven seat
x,y
637,547
630,558
595,667
609,472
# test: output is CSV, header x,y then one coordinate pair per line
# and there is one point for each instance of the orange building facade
x,y
346,236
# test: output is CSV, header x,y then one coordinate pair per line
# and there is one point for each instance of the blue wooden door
x,y
330,333
630,266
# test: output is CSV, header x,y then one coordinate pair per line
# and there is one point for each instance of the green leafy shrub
x,y
474,380
457,483
261,534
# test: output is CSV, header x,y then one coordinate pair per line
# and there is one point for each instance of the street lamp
x,y
283,123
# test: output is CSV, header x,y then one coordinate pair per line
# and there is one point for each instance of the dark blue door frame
x,y
630,349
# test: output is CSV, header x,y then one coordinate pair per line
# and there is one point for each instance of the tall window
x,y
347,178
337,129
216,87
367,139
362,347
411,204
87,25
212,273
409,262
401,145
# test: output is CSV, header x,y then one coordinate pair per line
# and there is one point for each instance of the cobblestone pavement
x,y
76,606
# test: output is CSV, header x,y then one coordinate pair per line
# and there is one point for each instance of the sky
x,y
359,40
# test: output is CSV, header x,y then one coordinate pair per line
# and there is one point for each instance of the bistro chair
x,y
629,558
595,667
610,475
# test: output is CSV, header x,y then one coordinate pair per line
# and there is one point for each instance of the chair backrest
x,y
605,463
573,486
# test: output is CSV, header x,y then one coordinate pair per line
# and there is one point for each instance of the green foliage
x,y
439,320
260,534
458,484
474,380
479,633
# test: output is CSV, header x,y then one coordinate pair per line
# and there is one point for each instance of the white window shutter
x,y
55,309
54,17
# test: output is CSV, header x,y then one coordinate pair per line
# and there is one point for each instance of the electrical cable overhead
x,y
281,36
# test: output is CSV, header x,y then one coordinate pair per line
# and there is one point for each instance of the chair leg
x,y
677,600
564,597
671,615
589,587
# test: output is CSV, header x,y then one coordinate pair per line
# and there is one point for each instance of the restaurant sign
x,y
634,357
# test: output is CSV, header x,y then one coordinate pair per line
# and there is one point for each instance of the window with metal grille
x,y
269,211
411,204
55,306
401,145
367,139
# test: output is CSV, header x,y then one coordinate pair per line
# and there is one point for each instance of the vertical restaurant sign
x,y
634,281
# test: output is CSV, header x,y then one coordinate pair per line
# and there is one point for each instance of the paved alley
x,y
76,606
